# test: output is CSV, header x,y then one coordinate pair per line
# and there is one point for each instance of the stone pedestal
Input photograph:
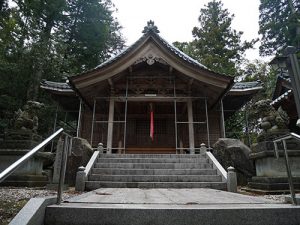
x,y
271,175
15,145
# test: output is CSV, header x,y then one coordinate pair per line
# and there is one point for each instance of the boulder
x,y
81,154
233,152
82,148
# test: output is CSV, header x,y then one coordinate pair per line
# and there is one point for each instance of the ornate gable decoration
x,y
151,59
150,27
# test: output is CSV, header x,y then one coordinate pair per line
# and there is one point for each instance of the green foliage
x,y
258,70
216,45
253,71
279,25
90,33
50,39
220,48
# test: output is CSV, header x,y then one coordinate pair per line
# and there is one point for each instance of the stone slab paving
x,y
134,206
199,196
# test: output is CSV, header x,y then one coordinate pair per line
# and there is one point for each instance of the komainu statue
x,y
27,119
270,120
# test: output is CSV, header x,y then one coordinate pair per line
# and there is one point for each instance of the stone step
x,y
153,160
151,155
92,185
154,165
159,214
156,178
113,171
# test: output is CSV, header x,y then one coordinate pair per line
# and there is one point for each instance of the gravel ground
x,y
280,198
13,199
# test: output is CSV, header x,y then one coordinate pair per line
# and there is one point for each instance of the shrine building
x,y
151,98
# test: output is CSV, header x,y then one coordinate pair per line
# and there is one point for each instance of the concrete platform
x,y
170,206
199,196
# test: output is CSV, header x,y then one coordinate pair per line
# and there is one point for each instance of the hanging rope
x,y
151,122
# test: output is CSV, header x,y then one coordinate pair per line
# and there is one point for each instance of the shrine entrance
x,y
151,124
138,135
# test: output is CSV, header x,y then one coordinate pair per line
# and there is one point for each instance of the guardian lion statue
x,y
27,119
270,119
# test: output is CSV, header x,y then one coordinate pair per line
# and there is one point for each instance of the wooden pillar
x,y
110,126
181,150
191,126
223,134
79,119
120,150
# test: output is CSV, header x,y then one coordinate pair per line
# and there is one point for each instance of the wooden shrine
x,y
151,98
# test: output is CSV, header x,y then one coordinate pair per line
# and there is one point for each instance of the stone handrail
x,y
91,163
229,177
217,166
83,172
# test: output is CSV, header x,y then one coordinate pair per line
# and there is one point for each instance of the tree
x,y
216,45
255,70
258,70
13,64
220,48
66,37
90,33
50,39
279,25
39,18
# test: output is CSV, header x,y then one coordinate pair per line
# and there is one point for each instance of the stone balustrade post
x,y
80,179
203,148
100,148
231,180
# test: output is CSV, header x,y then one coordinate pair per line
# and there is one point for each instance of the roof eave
x,y
79,94
224,93
245,91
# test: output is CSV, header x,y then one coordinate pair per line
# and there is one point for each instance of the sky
x,y
176,18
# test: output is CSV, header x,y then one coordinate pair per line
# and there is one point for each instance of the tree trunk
x,y
43,48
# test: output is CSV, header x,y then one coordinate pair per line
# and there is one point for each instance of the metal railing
x,y
286,157
67,144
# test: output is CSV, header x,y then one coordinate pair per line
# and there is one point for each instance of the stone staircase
x,y
154,171
179,202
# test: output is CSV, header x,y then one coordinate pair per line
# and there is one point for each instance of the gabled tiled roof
x,y
281,79
60,86
151,42
181,54
246,85
282,97
283,84
56,86
284,76
172,48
